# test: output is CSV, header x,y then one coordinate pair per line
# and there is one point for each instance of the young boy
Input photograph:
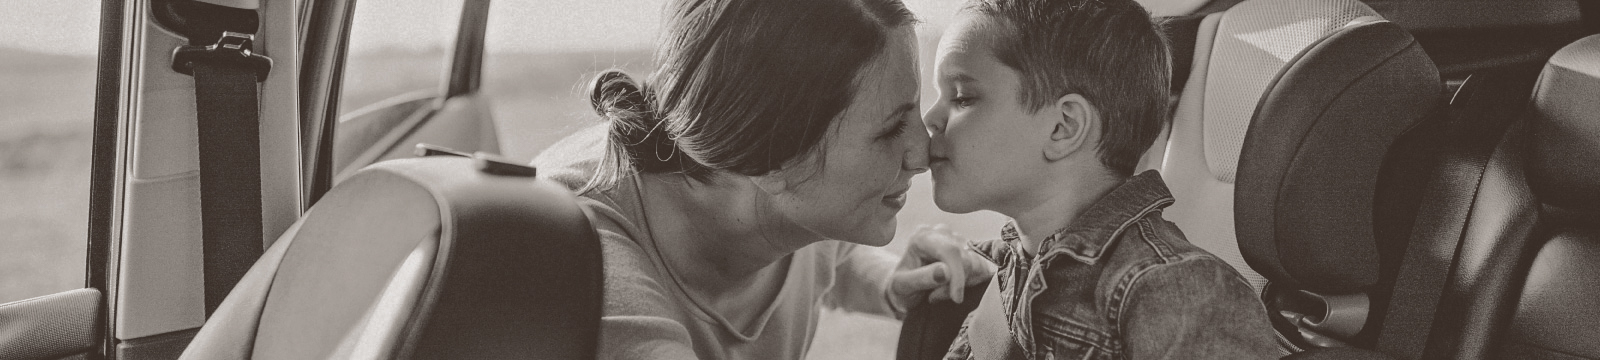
x,y
1045,108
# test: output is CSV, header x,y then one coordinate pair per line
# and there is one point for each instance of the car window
x,y
397,48
47,86
538,62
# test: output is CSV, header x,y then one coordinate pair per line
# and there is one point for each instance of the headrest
x,y
1254,42
1564,170
436,257
1312,155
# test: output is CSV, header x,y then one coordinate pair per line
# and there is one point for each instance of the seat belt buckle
x,y
232,48
1322,320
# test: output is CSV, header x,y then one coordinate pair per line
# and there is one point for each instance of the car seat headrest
x,y
1565,124
421,258
1314,149
1255,41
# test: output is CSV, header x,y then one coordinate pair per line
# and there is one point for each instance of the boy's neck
x,y
1058,206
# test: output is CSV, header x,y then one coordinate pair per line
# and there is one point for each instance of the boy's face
x,y
987,146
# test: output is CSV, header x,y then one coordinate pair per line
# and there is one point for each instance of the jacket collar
x,y
1088,235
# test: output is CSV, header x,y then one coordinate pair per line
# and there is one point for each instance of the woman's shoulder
x,y
573,160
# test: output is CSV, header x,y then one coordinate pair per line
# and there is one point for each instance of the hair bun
x,y
614,90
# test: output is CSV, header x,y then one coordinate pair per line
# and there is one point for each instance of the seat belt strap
x,y
228,129
1430,254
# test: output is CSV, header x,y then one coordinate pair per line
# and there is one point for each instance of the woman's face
x,y
867,160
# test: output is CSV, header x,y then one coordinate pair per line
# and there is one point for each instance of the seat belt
x,y
228,115
1430,254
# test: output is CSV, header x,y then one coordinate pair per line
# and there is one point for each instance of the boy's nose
x,y
916,157
936,117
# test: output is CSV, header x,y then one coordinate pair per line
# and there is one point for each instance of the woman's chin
x,y
878,236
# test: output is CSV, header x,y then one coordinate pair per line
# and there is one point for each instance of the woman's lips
x,y
896,200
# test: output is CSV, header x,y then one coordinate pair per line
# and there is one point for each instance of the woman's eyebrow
x,y
901,111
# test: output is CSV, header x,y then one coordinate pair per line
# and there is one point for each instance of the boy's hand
x,y
936,259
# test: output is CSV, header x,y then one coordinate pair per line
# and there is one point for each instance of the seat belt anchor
x,y
232,48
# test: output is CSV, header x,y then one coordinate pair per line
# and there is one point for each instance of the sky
x,y
69,26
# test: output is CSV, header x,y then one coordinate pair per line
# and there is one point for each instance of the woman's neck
x,y
721,235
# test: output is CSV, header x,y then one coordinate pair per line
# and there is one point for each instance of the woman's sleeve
x,y
861,281
636,319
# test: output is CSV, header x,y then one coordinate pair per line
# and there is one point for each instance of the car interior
x,y
1397,179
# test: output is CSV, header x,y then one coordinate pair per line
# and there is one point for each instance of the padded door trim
x,y
50,326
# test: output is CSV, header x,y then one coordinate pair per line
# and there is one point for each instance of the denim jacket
x,y
1118,283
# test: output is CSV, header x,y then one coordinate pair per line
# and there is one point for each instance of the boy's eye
x,y
962,101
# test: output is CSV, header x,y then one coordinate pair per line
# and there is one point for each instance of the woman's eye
x,y
893,132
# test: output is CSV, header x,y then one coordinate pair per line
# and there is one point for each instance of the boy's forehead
x,y
967,37
966,48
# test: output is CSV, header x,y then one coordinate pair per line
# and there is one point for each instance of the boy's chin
x,y
948,201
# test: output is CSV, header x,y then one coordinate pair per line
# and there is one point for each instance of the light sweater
x,y
649,315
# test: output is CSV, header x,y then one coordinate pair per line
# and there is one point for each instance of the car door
x,y
143,285
411,74
125,278
56,163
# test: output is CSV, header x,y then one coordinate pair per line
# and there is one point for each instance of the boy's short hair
x,y
1108,51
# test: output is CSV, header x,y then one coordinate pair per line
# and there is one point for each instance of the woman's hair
x,y
743,86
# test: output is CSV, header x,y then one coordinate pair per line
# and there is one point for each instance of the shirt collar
x,y
1087,236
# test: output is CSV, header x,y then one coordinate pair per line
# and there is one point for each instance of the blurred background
x,y
540,54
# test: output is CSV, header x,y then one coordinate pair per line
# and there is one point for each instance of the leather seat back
x,y
420,258
1293,153
1291,82
1558,144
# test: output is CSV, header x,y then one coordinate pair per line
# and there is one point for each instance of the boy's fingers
x,y
921,279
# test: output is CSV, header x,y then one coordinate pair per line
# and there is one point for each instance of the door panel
x,y
57,326
362,129
463,123
460,119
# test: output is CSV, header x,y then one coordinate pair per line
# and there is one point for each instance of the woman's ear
x,y
1071,131
773,183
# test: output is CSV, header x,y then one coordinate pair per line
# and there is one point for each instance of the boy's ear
x,y
1076,122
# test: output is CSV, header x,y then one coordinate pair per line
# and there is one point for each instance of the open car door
x,y
148,284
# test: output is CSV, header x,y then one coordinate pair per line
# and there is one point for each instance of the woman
x,y
770,127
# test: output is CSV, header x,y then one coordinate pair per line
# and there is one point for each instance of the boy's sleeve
x,y
861,281
1196,308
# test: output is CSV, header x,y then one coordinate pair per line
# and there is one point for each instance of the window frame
x,y
323,64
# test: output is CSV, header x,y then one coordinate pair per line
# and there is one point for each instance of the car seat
x,y
1556,148
1295,154
1514,228
437,257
